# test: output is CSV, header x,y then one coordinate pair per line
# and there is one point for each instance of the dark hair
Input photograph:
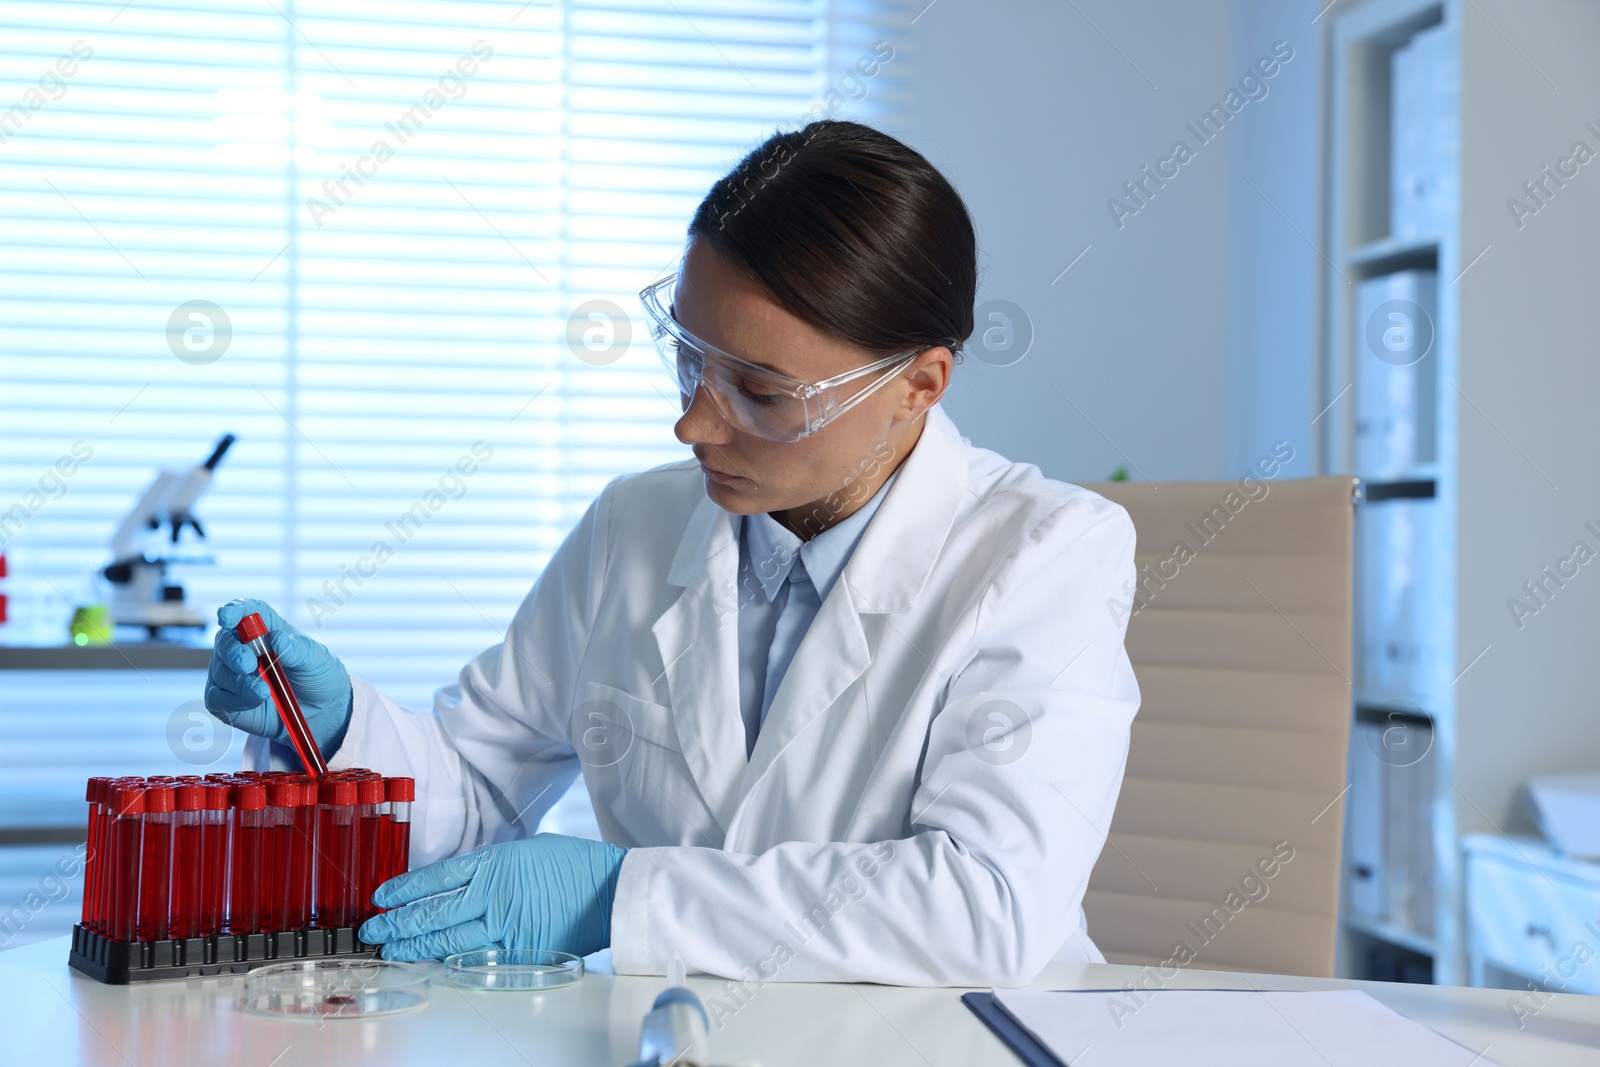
x,y
852,232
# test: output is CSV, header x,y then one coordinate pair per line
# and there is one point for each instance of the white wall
x,y
1274,240
1184,337
1529,377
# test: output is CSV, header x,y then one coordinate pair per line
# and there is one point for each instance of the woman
x,y
848,694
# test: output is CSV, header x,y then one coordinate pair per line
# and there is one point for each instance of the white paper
x,y
1567,809
1215,1028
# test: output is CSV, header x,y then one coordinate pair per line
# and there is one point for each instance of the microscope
x,y
141,595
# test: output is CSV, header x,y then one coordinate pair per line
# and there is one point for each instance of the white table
x,y
52,1017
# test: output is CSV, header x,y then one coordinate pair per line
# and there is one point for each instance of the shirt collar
x,y
771,547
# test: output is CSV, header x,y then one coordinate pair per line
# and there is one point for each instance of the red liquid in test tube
x,y
282,797
188,862
252,632
401,792
213,856
336,841
155,861
302,844
108,875
374,844
244,870
99,818
122,868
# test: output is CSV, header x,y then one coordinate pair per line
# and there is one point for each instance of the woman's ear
x,y
929,377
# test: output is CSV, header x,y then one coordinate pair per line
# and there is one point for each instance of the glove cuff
x,y
612,857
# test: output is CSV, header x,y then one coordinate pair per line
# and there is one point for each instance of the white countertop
x,y
51,1015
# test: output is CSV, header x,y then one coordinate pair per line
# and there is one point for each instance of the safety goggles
x,y
753,398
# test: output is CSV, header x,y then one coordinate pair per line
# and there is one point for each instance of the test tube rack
x,y
122,962
190,877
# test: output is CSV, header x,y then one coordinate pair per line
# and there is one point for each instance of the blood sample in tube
x,y
213,856
336,809
106,878
244,870
188,863
99,818
401,793
155,861
122,868
252,632
283,794
372,848
302,845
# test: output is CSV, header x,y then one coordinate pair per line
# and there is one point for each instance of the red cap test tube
x,y
252,632
336,844
213,856
401,793
122,874
372,796
302,850
155,861
188,863
98,795
283,795
107,876
244,863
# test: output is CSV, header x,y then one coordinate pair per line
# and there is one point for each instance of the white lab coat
x,y
931,786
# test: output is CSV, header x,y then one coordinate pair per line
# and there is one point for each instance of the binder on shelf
x,y
1389,847
1366,883
1408,825
1424,135
1401,631
1395,384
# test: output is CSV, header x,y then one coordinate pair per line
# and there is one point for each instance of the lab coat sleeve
x,y
1023,765
492,755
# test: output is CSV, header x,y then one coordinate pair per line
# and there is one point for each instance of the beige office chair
x,y
1242,648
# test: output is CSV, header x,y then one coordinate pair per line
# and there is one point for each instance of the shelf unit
x,y
1508,479
1379,940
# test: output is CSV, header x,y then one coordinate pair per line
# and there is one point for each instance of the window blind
x,y
415,232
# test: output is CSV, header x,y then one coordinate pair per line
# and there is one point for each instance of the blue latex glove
x,y
237,695
545,892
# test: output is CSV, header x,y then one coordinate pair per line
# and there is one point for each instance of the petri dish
x,y
513,969
335,989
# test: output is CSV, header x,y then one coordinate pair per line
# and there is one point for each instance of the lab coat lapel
x,y
831,656
698,640
885,574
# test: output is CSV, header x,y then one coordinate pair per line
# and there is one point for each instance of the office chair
x,y
1224,851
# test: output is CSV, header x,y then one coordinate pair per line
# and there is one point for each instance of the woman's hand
x,y
237,695
545,892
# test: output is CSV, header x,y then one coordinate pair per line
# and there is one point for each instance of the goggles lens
x,y
753,398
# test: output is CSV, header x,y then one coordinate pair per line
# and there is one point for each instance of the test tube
x,y
213,856
302,850
244,866
283,794
373,844
121,883
188,865
401,792
252,631
336,811
99,818
107,876
155,861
